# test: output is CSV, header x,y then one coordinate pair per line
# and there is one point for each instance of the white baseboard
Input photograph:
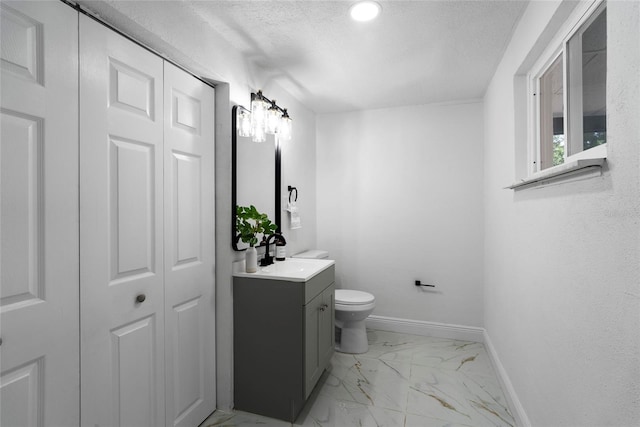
x,y
514,403
456,332
427,329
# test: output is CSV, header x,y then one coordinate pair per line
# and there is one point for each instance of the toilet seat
x,y
353,297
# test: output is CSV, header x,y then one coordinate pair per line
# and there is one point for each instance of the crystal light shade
x,y
244,123
284,129
258,118
273,119
259,135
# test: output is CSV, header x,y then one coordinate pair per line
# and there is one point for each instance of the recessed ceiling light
x,y
365,10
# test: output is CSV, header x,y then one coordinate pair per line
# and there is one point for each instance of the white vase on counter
x,y
251,260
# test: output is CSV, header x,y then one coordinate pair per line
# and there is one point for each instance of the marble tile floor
x,y
403,380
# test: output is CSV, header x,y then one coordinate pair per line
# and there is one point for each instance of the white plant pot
x,y
251,260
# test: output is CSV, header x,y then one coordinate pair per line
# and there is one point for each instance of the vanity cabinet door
x,y
312,358
319,336
326,338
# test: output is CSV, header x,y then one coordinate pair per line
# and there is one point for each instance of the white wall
x,y
400,198
562,279
196,46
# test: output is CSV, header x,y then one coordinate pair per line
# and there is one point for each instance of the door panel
x,y
189,254
21,395
131,199
133,371
23,47
187,175
188,364
22,214
131,89
121,235
39,215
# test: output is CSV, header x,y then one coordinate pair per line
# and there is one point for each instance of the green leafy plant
x,y
250,223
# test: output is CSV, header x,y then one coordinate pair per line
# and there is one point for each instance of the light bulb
x,y
365,10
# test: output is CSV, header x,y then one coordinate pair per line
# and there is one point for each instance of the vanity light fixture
x,y
265,117
365,10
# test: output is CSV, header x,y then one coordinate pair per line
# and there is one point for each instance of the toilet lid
x,y
351,297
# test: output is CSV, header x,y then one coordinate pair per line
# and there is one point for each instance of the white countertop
x,y
291,269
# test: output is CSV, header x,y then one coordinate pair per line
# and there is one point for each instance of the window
x,y
568,94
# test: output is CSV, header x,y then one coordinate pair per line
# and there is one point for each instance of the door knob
x,y
140,298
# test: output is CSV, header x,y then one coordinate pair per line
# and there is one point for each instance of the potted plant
x,y
250,223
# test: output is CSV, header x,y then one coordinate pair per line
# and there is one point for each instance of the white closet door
x,y
39,215
121,238
189,248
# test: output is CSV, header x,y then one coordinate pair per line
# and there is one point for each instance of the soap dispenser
x,y
281,251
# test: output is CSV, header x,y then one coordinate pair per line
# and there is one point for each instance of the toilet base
x,y
351,337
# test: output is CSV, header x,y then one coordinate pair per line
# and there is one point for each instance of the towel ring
x,y
291,190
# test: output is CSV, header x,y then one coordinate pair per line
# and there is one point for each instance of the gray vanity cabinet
x,y
283,341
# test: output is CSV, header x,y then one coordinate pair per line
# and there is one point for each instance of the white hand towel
x,y
295,216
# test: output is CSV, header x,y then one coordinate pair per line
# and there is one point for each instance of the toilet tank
x,y
313,254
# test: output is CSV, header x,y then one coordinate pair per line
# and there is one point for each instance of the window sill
x,y
560,173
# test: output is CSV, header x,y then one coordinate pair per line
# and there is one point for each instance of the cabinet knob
x,y
140,298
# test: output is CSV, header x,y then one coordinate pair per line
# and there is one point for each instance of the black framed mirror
x,y
256,171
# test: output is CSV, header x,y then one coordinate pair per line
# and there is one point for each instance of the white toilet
x,y
351,310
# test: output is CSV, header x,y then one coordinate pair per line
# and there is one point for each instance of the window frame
x,y
584,13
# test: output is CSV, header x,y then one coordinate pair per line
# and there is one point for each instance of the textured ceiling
x,y
416,52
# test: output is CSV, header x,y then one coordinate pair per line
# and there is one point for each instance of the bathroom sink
x,y
292,269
